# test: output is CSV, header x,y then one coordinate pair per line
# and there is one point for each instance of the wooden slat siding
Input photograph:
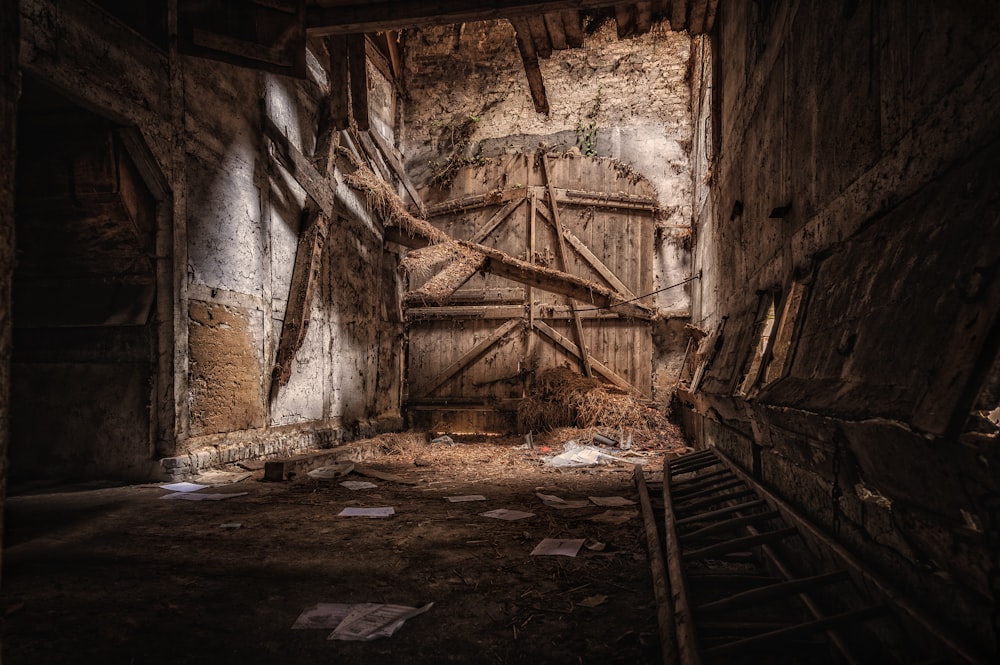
x,y
494,311
558,338
644,17
358,70
445,282
678,15
498,217
557,35
696,21
529,58
471,355
540,37
576,197
392,159
573,28
625,19
713,6
563,254
590,259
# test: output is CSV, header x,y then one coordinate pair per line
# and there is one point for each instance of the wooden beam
x,y
358,69
696,22
395,58
580,197
316,186
475,201
398,170
564,258
573,28
567,344
678,15
440,287
378,16
472,355
493,222
529,59
591,259
625,19
644,17
301,289
557,34
540,36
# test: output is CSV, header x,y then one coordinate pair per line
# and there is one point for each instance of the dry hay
x,y
560,397
422,263
389,207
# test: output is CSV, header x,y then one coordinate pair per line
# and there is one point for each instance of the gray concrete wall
x,y
627,99
877,123
234,219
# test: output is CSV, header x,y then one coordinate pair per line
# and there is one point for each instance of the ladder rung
x,y
740,544
719,513
772,591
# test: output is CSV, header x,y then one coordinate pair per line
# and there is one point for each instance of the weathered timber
x,y
529,58
467,203
440,287
339,81
644,17
540,36
301,169
301,289
661,584
678,15
625,19
462,404
573,28
398,170
590,258
472,355
395,57
564,259
696,21
573,349
358,68
687,641
557,34
610,200
495,220
713,6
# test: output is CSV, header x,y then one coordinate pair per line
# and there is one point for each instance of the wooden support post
x,y
357,61
678,16
572,28
563,257
557,34
315,184
471,356
661,584
529,59
540,36
336,46
644,17
625,20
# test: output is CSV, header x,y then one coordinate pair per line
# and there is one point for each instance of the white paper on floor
x,y
189,496
358,485
323,615
611,501
368,621
183,487
558,547
380,511
506,514
465,497
553,501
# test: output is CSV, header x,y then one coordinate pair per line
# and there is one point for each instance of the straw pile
x,y
560,397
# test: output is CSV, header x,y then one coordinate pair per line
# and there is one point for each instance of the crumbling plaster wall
x,y
888,161
235,221
627,99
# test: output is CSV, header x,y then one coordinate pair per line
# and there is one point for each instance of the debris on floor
x,y
553,501
558,547
357,621
358,485
378,511
507,514
195,496
183,487
331,471
446,440
611,501
216,477
464,498
576,455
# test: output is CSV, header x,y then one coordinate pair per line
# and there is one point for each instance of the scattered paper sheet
x,y
230,525
368,621
592,601
188,496
323,615
183,487
358,485
611,501
506,514
215,477
553,501
612,517
558,547
380,511
331,471
464,498
575,455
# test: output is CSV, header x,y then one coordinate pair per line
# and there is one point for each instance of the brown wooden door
x,y
471,357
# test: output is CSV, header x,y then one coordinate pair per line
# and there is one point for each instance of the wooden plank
x,y
540,36
772,591
661,583
625,19
741,544
440,287
678,15
398,170
529,58
493,222
573,349
797,630
591,259
696,21
644,17
472,355
358,70
573,28
301,289
326,129
687,641
561,247
557,35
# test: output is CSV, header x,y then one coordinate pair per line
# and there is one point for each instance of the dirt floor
x,y
117,575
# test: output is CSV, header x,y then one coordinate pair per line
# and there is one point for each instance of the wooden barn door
x,y
472,357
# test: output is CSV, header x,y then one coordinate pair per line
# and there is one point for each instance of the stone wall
x,y
626,99
848,175
231,223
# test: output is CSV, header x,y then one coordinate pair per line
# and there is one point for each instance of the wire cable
x,y
652,293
